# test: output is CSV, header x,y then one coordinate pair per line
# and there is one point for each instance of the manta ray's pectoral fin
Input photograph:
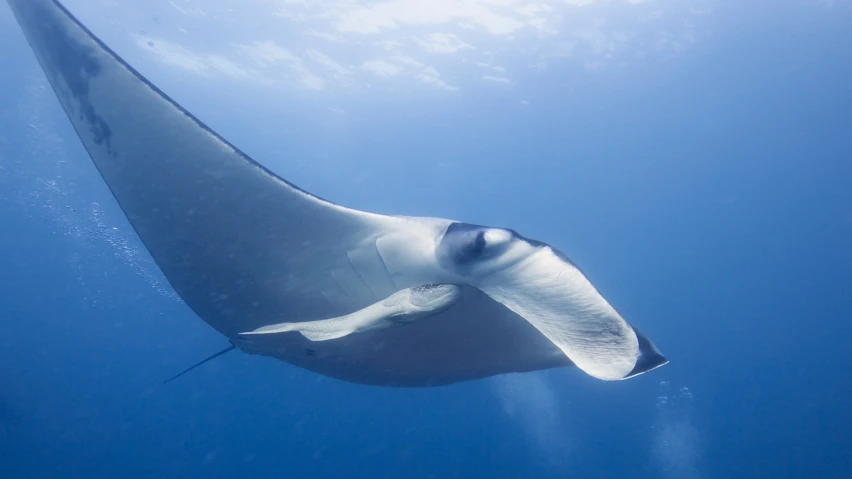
x,y
326,335
404,306
274,329
313,330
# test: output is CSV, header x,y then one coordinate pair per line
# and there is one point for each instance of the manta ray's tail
x,y
214,356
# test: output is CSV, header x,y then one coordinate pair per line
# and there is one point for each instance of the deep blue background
x,y
708,197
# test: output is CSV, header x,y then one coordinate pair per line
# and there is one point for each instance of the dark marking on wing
x,y
77,65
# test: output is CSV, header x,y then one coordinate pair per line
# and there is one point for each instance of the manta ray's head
x,y
543,286
474,251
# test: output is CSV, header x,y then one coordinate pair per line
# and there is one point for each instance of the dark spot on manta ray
x,y
150,44
76,64
310,352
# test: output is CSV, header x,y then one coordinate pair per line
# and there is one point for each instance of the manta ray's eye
x,y
477,246
465,244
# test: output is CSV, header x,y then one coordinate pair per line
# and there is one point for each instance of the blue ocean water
x,y
694,159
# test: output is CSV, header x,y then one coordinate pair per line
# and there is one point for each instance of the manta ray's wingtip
x,y
650,357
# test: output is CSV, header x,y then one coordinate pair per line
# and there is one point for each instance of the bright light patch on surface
x,y
346,45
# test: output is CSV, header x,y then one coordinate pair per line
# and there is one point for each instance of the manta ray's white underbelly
x,y
376,268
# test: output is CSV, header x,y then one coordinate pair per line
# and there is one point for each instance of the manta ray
x,y
362,297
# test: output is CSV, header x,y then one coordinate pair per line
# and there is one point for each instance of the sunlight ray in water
x,y
676,441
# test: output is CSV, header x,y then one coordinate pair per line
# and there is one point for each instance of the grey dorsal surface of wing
x,y
240,245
